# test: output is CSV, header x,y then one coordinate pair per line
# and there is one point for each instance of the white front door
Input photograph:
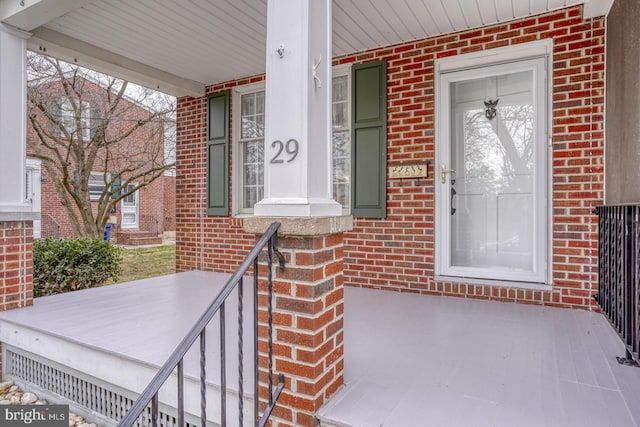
x,y
33,193
492,173
130,208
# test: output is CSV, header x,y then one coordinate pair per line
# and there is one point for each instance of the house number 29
x,y
291,148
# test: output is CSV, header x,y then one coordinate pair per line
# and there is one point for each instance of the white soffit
x,y
201,42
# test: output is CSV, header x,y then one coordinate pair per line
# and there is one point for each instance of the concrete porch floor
x,y
410,360
436,361
116,337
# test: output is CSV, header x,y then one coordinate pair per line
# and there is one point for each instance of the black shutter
x,y
369,140
218,154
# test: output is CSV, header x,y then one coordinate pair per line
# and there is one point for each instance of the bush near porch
x,y
63,265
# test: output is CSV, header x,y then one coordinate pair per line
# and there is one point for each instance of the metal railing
x,y
619,273
149,223
49,226
175,361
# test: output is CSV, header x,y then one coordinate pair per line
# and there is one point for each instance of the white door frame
x,y
476,63
33,192
135,209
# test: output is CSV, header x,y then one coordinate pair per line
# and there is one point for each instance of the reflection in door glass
x,y
493,131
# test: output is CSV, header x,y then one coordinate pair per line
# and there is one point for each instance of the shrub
x,y
63,265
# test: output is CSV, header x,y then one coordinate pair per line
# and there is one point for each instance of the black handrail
x,y
150,393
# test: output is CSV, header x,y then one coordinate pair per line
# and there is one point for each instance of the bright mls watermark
x,y
35,416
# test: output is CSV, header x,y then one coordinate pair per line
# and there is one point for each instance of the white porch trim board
x,y
13,121
30,14
297,175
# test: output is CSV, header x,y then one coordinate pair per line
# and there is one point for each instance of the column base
x,y
297,208
300,226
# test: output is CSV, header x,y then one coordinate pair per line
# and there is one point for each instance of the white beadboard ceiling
x,y
180,46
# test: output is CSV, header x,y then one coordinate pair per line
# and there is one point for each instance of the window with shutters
x,y
97,184
341,138
249,131
358,141
249,112
68,118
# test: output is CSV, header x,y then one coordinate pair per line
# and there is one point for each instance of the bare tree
x,y
98,137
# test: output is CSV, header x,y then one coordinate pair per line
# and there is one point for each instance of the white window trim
x,y
495,56
524,51
236,183
136,196
339,71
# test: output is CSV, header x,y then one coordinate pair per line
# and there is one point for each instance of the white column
x,y
298,111
13,118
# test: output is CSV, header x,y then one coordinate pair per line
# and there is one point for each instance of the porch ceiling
x,y
180,47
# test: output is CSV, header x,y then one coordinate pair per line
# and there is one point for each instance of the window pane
x,y
96,184
339,88
341,168
68,116
340,116
131,198
252,115
248,104
252,172
249,127
260,103
340,103
260,126
128,218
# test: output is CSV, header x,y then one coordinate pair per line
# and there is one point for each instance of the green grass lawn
x,y
141,263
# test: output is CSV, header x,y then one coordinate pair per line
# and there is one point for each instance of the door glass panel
x,y
130,208
491,191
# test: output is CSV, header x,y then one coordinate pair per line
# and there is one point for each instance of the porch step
x,y
140,241
138,238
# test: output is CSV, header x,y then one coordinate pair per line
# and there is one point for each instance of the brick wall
x,y
397,253
16,264
308,313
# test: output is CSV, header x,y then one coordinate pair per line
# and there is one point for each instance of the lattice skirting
x,y
87,396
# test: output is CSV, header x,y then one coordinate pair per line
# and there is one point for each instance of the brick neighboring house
x,y
140,218
394,247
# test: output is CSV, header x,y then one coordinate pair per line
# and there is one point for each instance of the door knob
x,y
443,173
